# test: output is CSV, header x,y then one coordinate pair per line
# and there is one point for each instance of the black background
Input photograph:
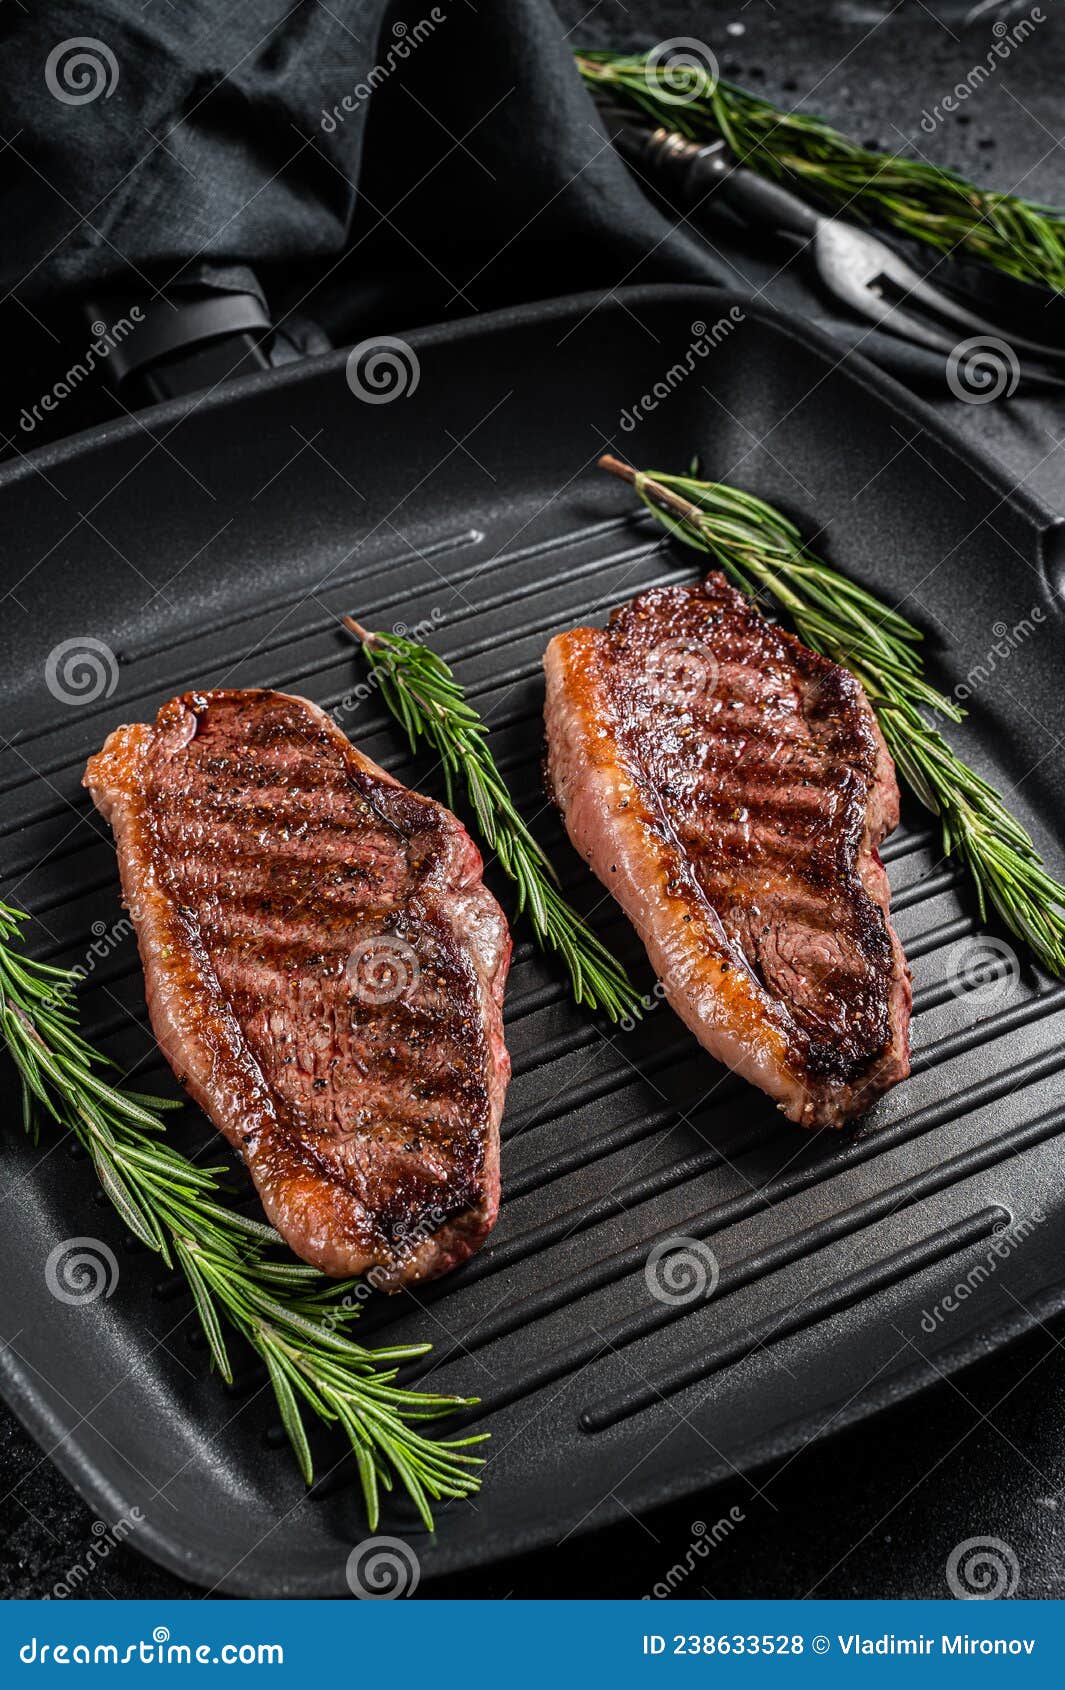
x,y
874,1512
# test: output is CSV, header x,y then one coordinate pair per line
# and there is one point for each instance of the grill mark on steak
x,y
324,970
730,786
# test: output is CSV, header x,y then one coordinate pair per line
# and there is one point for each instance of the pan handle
x,y
172,347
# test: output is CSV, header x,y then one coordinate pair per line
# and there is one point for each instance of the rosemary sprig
x,y
1021,237
425,698
294,1319
762,552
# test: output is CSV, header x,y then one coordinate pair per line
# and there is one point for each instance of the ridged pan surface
x,y
217,542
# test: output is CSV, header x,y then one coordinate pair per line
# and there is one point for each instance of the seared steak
x,y
324,972
731,787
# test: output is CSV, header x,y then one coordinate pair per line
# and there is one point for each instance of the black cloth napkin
x,y
364,161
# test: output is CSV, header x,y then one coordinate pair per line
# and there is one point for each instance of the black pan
x,y
217,540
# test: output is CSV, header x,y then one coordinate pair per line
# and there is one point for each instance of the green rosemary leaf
x,y
152,1104
291,1418
368,1478
140,1220
206,1310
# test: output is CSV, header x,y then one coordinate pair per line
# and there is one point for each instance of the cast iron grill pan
x,y
216,542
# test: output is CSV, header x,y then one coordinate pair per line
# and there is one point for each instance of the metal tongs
x,y
860,271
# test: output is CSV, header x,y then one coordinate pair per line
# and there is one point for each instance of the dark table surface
x,y
874,1512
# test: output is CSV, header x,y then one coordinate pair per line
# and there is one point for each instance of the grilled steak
x,y
324,972
730,787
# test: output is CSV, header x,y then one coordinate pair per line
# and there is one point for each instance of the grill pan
x,y
216,541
